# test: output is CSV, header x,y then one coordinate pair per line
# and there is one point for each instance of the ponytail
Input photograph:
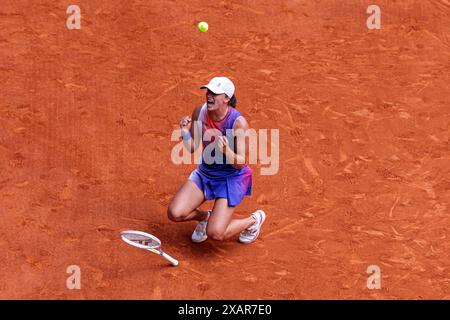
x,y
233,101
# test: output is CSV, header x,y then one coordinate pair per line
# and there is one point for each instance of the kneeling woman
x,y
228,182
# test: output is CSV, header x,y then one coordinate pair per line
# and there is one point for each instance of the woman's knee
x,y
216,234
175,213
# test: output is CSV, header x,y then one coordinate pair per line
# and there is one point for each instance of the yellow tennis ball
x,y
202,26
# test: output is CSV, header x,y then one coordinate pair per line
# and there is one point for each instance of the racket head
x,y
140,239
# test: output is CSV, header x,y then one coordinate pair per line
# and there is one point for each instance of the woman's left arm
x,y
237,159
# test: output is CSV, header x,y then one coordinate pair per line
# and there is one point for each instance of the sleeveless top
x,y
219,128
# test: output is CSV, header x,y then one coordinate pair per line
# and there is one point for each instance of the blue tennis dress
x,y
221,180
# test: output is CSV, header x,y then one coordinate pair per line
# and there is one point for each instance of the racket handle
x,y
169,258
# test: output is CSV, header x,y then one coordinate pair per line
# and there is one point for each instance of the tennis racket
x,y
146,241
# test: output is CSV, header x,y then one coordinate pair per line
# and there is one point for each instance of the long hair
x,y
233,101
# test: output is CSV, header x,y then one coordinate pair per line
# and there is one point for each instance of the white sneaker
x,y
199,234
251,234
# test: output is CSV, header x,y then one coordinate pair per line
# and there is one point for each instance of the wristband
x,y
187,136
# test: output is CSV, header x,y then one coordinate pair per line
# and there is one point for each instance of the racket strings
x,y
141,240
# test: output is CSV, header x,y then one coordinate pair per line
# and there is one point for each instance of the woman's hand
x,y
185,124
232,157
222,144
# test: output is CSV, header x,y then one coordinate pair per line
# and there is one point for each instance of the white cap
x,y
220,85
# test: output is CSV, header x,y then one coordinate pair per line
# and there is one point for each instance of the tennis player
x,y
225,181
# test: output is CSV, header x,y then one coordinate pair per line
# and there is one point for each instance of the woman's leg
x,y
184,204
221,226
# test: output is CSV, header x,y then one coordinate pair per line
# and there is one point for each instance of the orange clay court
x,y
363,115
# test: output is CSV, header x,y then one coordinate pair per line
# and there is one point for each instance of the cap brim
x,y
215,90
